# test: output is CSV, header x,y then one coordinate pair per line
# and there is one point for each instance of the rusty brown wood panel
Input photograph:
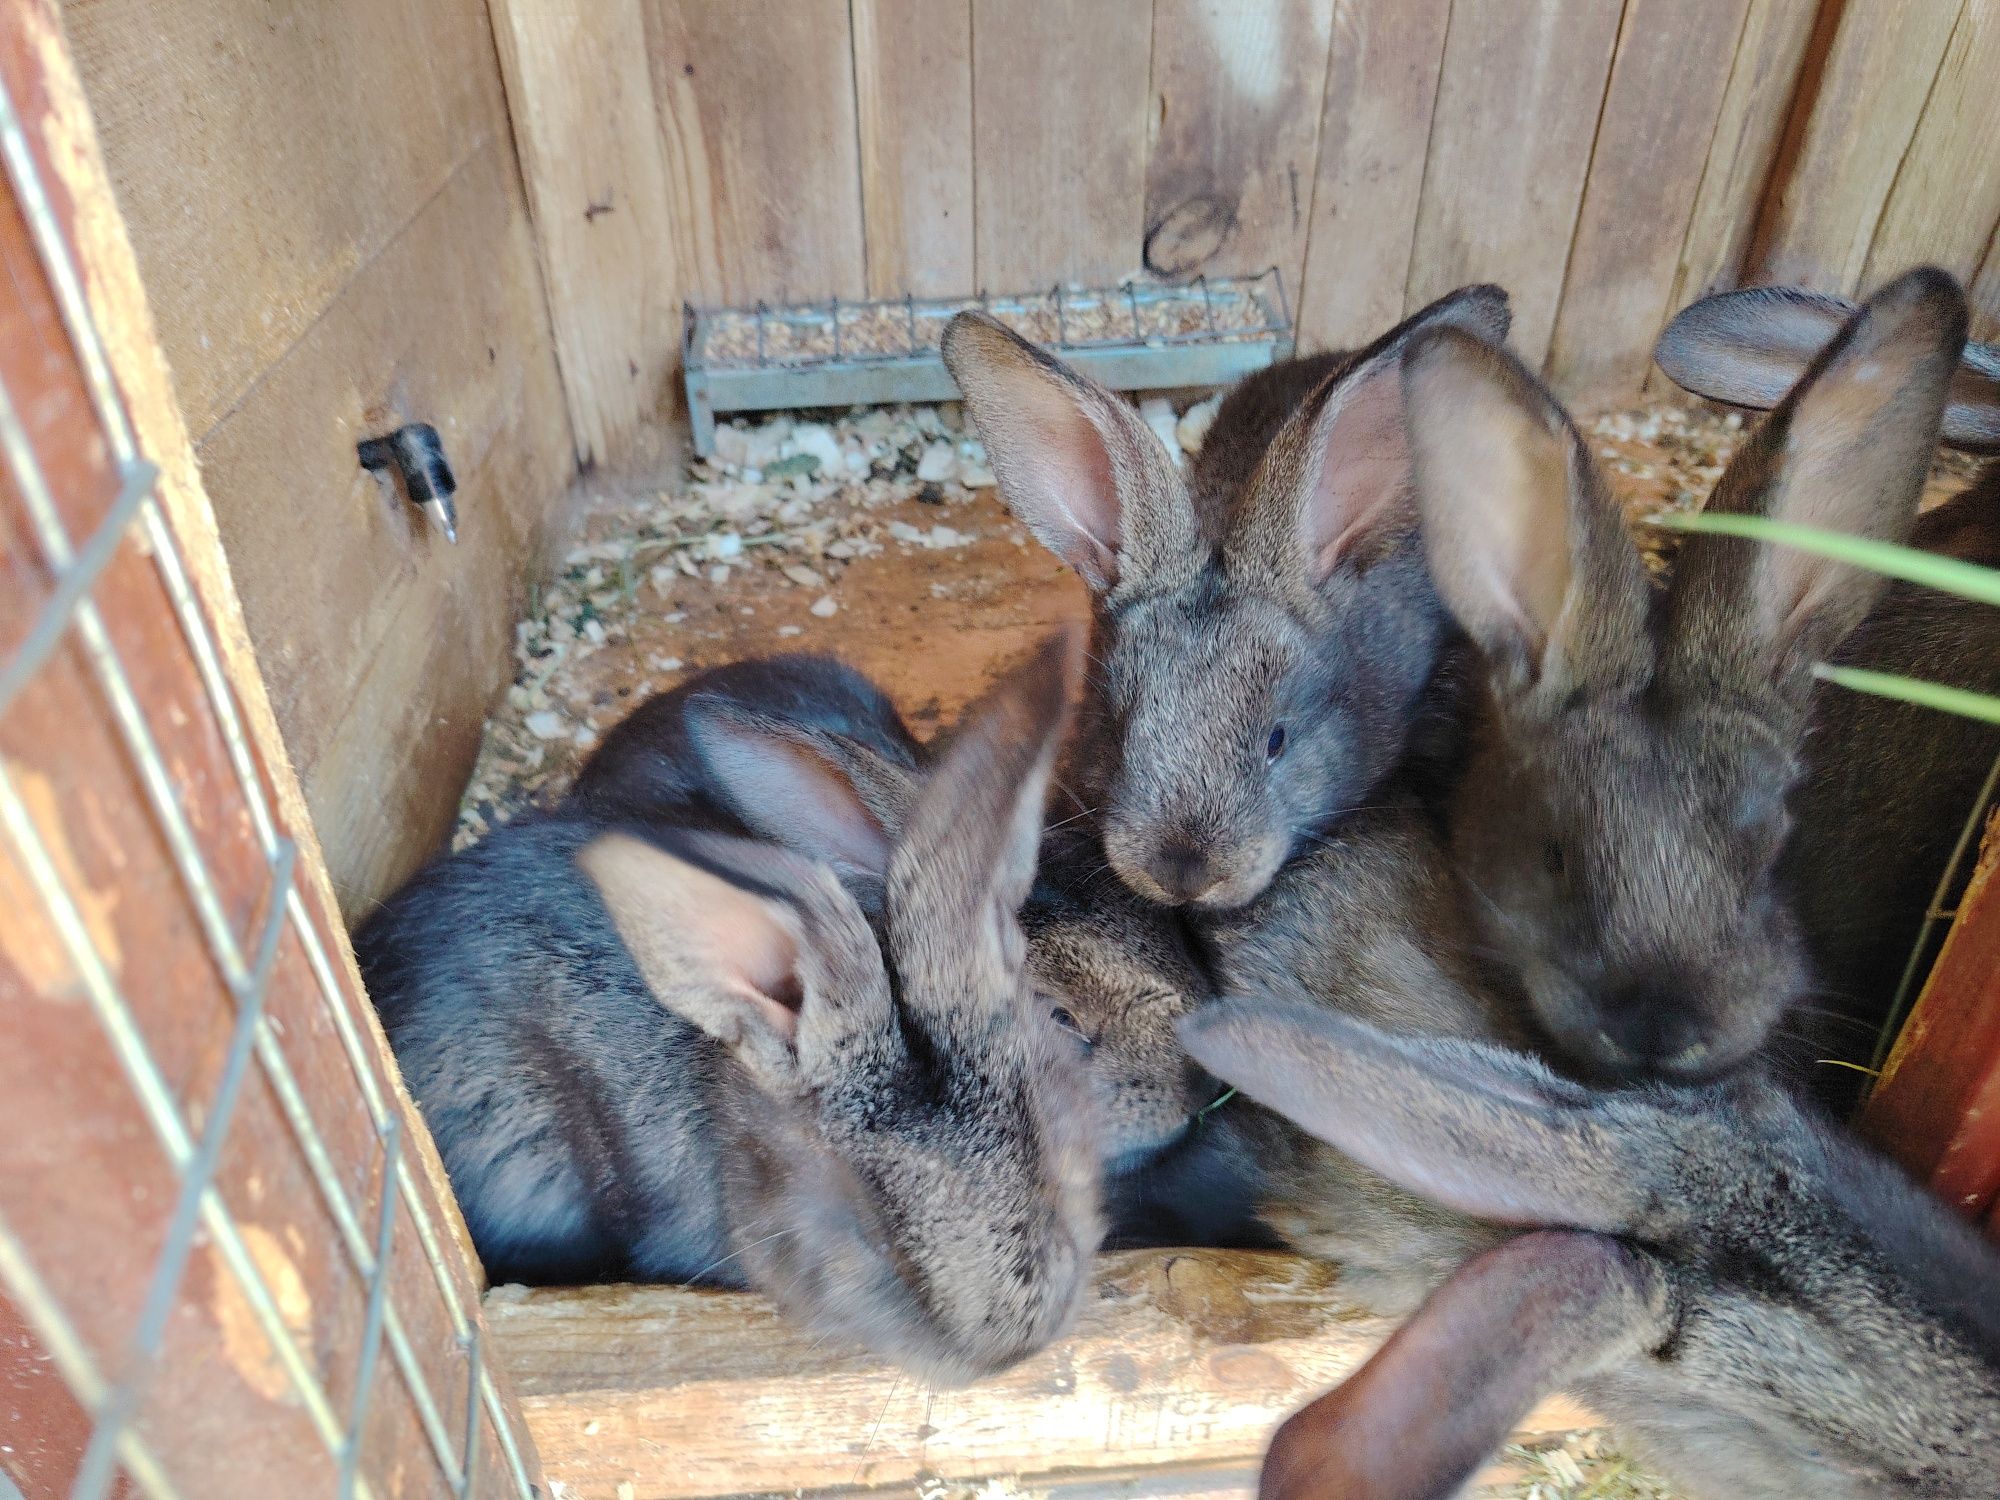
x,y
1937,1107
88,1177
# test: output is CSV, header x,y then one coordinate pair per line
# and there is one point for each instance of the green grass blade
x,y
1951,575
1951,700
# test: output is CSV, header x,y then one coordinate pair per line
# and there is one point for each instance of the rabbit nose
x,y
1646,1029
1181,868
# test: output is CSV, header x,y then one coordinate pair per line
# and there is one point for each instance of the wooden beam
x,y
1516,113
264,156
1668,79
1937,1107
913,98
1985,292
581,97
756,101
88,1188
1236,110
1059,139
1184,1358
383,645
1878,74
1763,80
1945,201
1382,79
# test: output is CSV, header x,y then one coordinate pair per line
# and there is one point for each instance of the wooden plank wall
x,y
330,221
1607,160
487,213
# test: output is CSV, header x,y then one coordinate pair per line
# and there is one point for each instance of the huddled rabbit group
x,y
1507,885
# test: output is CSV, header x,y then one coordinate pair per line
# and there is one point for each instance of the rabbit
x,y
1599,881
671,1055
808,753
1266,646
1765,1309
648,768
1886,786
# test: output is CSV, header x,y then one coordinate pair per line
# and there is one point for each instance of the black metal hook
x,y
417,453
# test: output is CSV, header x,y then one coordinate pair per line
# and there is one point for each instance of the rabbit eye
x,y
1552,858
1275,745
1062,1017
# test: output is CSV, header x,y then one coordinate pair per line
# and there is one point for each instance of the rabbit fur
x,y
1886,786
1600,880
807,752
1266,644
1765,1309
664,1054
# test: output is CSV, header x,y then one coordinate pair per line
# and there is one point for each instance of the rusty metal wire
x,y
115,1445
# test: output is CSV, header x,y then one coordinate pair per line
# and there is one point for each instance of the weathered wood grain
x,y
1236,109
581,97
756,103
264,154
1945,200
1936,1108
1381,83
913,98
1516,112
1653,139
1763,79
1182,1357
1059,139
383,644
1985,291
1884,58
88,1188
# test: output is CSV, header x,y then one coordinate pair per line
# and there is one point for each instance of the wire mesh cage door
x,y
227,1265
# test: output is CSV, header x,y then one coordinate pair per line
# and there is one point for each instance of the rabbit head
x,y
915,1167
1765,1308
1118,972
1113,971
1263,642
1622,809
1870,763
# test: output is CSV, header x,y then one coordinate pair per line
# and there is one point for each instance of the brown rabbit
x,y
808,753
1886,786
660,1054
1768,1311
1267,647
1601,882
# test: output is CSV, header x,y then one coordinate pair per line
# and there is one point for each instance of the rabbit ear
x,y
740,940
966,859
1075,463
1480,1130
811,792
1847,450
1440,1397
1750,347
1527,548
1334,485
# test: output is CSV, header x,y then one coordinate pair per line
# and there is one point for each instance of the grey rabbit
x,y
683,1056
1266,645
1886,786
1600,883
807,752
1763,1307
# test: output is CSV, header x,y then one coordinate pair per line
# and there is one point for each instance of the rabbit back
x,y
566,1102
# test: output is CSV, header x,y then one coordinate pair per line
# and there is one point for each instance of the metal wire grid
x,y
1051,309
114,1443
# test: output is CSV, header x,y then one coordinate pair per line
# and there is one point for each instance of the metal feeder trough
x,y
1134,337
